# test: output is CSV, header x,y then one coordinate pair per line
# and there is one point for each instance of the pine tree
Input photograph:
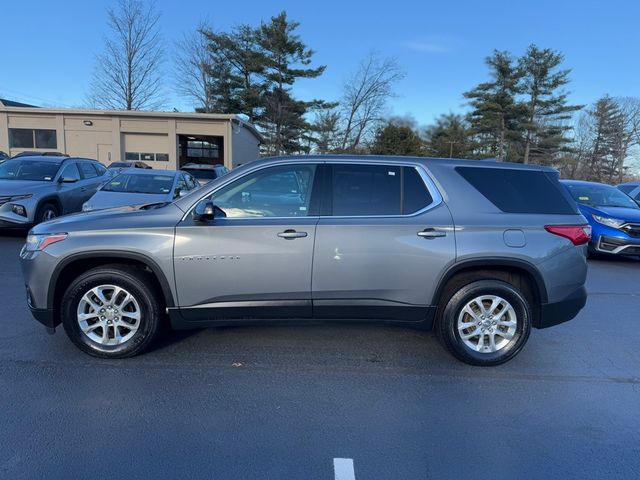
x,y
545,103
283,120
236,67
496,116
395,139
606,121
449,137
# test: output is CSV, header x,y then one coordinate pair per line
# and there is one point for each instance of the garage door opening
x,y
200,149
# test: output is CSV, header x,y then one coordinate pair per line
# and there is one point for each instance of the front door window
x,y
283,191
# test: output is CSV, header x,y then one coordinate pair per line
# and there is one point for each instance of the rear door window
x,y
374,190
520,191
87,170
365,190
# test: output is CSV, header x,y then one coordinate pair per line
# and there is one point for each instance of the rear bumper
x,y
559,312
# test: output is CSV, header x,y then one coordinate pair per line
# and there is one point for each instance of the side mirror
x,y
183,193
206,211
67,180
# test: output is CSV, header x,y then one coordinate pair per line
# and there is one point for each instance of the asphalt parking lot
x,y
284,402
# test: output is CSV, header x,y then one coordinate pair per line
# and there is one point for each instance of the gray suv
x,y
481,252
35,189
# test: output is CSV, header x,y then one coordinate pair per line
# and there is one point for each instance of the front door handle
x,y
431,233
83,189
290,234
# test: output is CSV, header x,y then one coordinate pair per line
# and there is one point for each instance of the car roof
x,y
52,158
630,184
489,163
148,171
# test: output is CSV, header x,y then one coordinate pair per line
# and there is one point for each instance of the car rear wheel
x,y
485,323
112,312
47,212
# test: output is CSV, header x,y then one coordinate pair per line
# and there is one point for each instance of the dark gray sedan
x,y
141,187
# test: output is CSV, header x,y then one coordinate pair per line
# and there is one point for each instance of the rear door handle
x,y
83,189
291,234
431,233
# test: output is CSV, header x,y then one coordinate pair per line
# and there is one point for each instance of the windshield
x,y
600,196
137,183
35,170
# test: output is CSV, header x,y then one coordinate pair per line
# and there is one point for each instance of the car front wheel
x,y
112,312
47,212
485,323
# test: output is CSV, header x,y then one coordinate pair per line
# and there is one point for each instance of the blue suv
x,y
614,217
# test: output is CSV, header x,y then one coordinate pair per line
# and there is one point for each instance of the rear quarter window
x,y
520,191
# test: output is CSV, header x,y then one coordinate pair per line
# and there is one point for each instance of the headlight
x,y
608,221
86,207
19,210
40,242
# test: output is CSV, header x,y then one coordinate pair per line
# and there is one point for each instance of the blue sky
x,y
48,48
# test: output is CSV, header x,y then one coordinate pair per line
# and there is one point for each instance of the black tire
x,y
136,282
449,335
47,211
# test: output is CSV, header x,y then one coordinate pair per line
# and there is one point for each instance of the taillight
x,y
578,234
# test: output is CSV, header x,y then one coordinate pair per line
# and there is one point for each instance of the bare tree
x,y
127,74
365,96
193,69
629,135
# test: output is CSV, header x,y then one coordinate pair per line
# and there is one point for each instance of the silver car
x,y
35,189
141,187
479,251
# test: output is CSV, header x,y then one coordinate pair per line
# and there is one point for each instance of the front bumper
x,y
9,219
559,312
8,224
617,245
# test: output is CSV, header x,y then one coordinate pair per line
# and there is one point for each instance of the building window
x,y
147,157
46,139
202,149
162,157
131,156
32,138
20,138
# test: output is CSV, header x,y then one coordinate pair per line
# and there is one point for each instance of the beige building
x,y
164,140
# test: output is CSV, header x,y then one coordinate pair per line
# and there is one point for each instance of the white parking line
x,y
343,469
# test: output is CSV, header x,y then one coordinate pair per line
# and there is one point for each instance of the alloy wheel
x,y
109,315
487,323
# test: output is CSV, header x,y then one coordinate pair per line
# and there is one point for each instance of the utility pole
x,y
451,142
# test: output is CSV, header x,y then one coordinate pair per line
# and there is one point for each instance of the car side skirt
x,y
300,311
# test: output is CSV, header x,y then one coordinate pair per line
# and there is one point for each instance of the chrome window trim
x,y
436,196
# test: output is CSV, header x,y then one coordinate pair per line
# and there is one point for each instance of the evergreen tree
x,y
449,137
496,116
603,159
236,68
286,59
394,139
546,104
